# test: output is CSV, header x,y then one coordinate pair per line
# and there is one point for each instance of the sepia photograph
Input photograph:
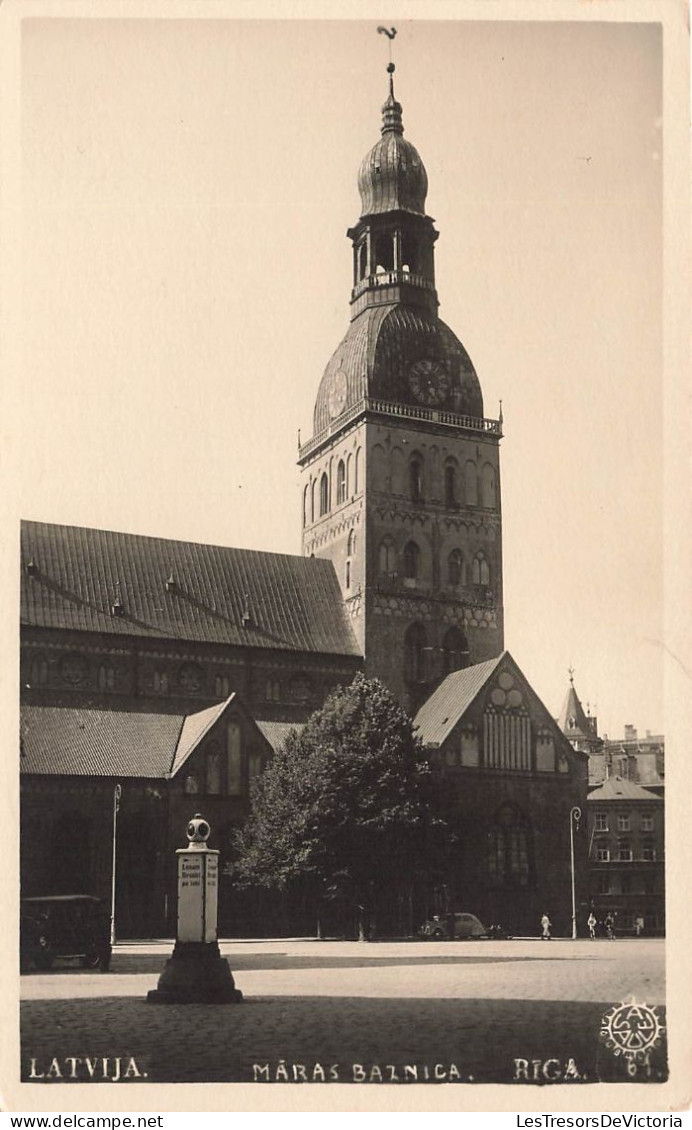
x,y
342,449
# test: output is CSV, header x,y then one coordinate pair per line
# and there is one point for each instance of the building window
x,y
106,677
273,690
324,494
234,777
488,486
213,771
647,823
358,472
624,851
414,653
222,686
160,682
411,560
191,678
603,884
601,821
455,567
602,853
190,784
450,484
623,822
313,488
348,573
387,557
39,672
455,651
351,544
340,483
349,476
481,570
506,739
301,688
254,765
509,863
415,476
470,483
648,851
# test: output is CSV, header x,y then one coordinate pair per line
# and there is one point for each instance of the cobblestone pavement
x,y
391,1012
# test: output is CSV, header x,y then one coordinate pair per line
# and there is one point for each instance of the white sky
x,y
187,186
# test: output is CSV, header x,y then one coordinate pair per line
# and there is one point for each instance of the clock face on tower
x,y
337,394
429,381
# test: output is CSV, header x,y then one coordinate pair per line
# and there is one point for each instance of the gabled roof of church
x,y
73,578
70,741
572,719
617,788
440,713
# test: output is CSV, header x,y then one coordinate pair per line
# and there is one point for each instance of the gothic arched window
x,y
450,483
313,489
455,650
414,653
213,771
234,764
358,473
39,672
411,560
455,566
387,556
324,494
340,483
384,252
106,677
351,544
488,486
509,848
305,506
222,686
415,478
471,483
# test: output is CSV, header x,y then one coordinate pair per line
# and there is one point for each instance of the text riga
x,y
112,1069
285,1072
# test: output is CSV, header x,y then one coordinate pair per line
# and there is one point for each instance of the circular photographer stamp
x,y
632,1029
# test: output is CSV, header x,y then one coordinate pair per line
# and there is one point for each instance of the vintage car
x,y
71,926
448,926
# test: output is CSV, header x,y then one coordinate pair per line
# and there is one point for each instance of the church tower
x,y
401,479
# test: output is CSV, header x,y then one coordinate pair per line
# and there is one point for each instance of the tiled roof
x,y
99,743
439,715
277,732
617,788
294,603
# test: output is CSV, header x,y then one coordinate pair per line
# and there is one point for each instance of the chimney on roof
x,y
171,583
31,567
630,733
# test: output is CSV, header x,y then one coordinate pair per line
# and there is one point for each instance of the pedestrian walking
x,y
591,923
610,926
546,925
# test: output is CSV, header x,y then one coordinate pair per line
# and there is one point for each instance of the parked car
x,y
459,925
73,926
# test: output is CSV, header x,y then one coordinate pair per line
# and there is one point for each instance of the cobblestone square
x,y
514,1011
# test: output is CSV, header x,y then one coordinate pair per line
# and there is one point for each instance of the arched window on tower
x,y
481,569
324,494
305,505
455,567
488,486
313,509
455,650
451,483
384,252
357,486
349,476
340,483
409,252
470,483
415,477
351,544
411,561
362,260
387,557
414,653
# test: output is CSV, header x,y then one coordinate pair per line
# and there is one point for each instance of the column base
x,y
195,974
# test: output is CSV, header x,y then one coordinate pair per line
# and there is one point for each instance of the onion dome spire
x,y
391,111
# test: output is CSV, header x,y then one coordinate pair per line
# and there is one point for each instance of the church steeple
x,y
401,476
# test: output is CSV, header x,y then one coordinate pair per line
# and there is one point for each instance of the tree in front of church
x,y
347,810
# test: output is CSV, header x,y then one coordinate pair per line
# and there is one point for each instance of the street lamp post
x,y
117,793
574,818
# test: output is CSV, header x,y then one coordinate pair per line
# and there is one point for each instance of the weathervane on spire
x,y
570,672
390,32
